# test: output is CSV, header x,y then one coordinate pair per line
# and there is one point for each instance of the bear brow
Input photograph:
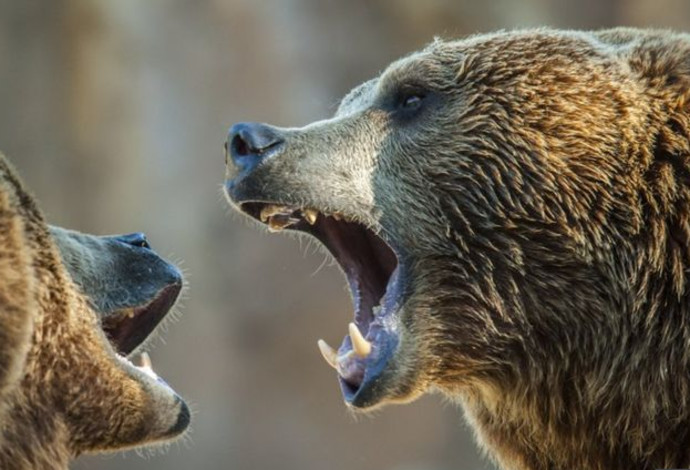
x,y
356,94
410,71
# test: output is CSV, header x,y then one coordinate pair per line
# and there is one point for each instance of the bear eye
x,y
408,101
411,101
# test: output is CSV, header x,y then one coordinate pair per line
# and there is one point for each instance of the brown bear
x,y
512,214
66,386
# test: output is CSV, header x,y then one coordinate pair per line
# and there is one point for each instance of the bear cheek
x,y
108,425
156,414
170,414
414,364
130,414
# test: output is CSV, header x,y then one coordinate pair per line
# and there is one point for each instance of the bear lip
x,y
373,271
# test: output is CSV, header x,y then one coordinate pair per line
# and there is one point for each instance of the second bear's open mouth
x,y
127,329
374,276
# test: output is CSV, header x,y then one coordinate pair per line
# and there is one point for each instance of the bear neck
x,y
559,425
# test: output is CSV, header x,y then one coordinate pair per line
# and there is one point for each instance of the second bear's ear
x,y
666,66
660,59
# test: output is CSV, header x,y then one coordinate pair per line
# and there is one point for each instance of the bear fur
x,y
535,188
64,390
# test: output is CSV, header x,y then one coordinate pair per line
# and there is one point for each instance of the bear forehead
x,y
421,69
442,62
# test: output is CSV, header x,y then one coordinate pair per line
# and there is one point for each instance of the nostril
x,y
240,147
138,240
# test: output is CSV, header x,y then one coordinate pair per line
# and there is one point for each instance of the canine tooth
x,y
310,215
145,360
337,216
146,366
361,346
328,353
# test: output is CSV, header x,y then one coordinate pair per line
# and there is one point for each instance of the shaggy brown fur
x,y
63,390
535,187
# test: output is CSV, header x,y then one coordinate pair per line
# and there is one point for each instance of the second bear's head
x,y
478,195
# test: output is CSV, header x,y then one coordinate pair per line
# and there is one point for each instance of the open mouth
x,y
374,277
127,329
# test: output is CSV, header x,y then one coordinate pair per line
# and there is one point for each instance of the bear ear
x,y
17,297
661,59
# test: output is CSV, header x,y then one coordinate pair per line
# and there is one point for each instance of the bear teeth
x,y
270,210
328,353
360,345
310,215
278,216
278,222
361,348
146,366
145,361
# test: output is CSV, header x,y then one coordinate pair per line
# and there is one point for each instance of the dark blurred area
x,y
115,113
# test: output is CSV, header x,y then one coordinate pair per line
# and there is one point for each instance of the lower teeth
x,y
361,347
145,364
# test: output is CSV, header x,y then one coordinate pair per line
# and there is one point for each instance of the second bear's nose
x,y
249,143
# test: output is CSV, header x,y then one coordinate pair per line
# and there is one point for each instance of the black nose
x,y
135,239
249,143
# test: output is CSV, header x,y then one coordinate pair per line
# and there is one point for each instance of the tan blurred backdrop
x,y
115,112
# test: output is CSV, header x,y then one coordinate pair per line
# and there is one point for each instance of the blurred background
x,y
115,113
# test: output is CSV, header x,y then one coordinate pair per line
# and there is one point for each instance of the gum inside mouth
x,y
371,267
